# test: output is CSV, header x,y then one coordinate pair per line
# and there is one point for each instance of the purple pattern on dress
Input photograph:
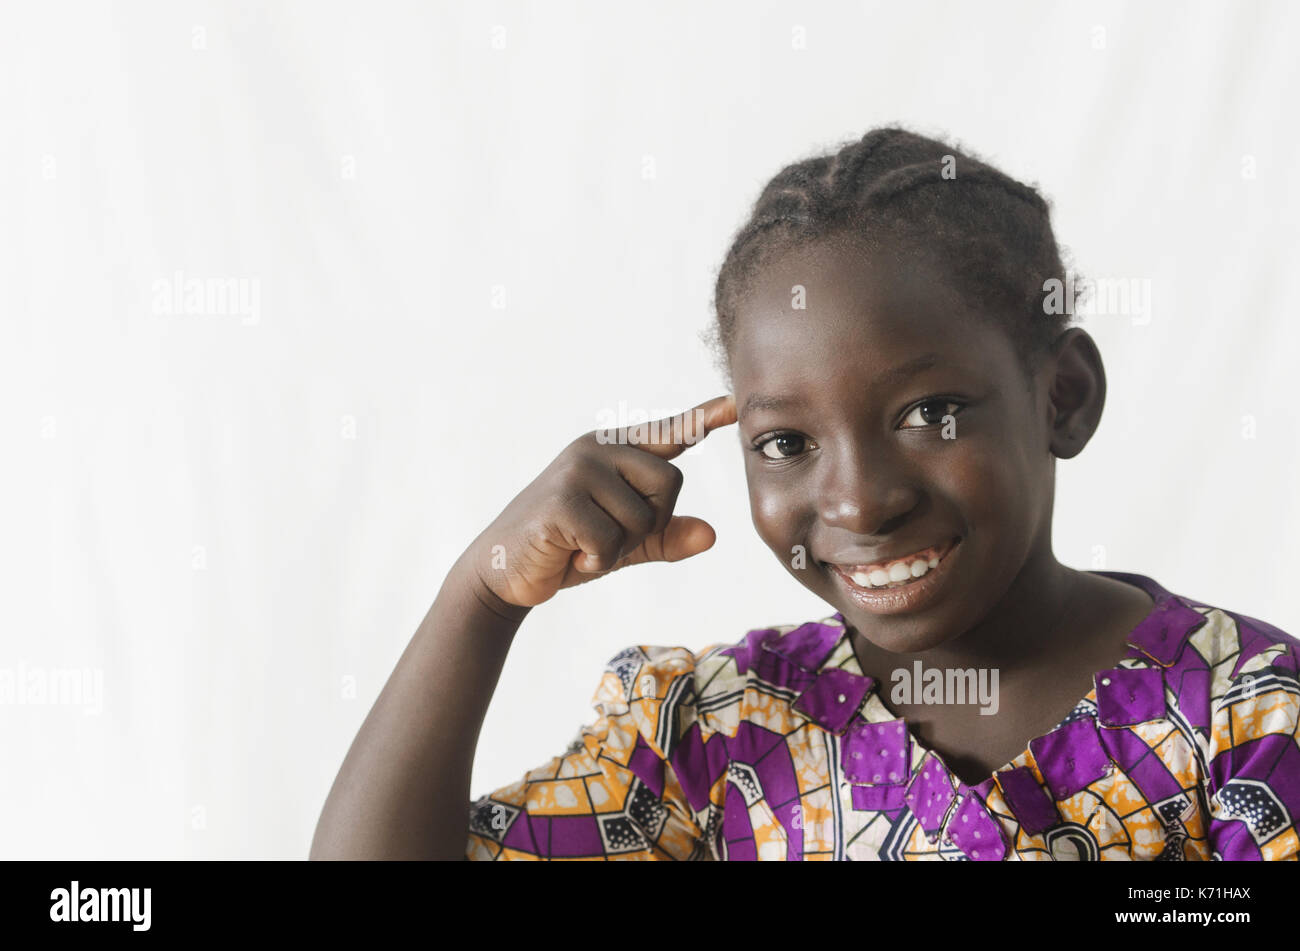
x,y
930,793
808,645
1027,799
717,757
1253,782
1285,778
1163,632
1124,747
646,764
570,836
881,798
982,789
1070,757
1152,777
1274,759
776,670
834,698
1233,841
1190,683
1257,637
781,791
737,829
1258,803
876,752
520,835
695,768
750,648
752,742
1288,662
1129,695
975,832
776,776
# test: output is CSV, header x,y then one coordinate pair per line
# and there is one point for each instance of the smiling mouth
x,y
897,572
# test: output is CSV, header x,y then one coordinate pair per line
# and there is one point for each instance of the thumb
x,y
684,536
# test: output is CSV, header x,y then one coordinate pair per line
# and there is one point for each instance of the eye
x,y
792,442
930,413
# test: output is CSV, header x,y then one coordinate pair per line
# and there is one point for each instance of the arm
x,y
602,505
403,789
1254,767
615,793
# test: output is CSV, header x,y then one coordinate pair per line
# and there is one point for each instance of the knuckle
x,y
643,519
587,442
539,527
610,538
572,455
572,470
649,520
569,501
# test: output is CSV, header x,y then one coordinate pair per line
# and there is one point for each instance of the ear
x,y
1077,392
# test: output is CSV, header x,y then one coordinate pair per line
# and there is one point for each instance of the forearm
x,y
403,789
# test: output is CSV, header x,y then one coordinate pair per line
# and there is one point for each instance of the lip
x,y
942,549
909,597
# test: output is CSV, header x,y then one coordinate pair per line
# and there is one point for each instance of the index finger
x,y
671,436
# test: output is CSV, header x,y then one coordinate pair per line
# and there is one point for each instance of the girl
x,y
904,385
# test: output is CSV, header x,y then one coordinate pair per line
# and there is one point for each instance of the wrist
x,y
479,597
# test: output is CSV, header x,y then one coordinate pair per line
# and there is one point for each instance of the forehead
x,y
823,312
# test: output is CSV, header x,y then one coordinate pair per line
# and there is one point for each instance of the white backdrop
x,y
452,234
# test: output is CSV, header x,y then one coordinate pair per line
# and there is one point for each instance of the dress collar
x,y
819,663
834,687
1162,633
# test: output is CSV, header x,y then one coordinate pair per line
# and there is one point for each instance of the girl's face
x,y
855,387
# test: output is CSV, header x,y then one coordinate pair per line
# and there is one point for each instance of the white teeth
x,y
899,572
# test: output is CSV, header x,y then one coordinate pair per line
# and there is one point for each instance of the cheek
x,y
770,512
992,483
766,505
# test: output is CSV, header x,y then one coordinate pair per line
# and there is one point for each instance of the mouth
x,y
900,584
898,572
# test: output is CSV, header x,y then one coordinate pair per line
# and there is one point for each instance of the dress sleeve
x,y
1254,759
613,794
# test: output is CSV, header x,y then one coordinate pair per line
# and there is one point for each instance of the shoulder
x,y
1238,649
1252,759
704,686
1209,658
1237,679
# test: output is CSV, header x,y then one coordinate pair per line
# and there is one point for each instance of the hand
x,y
598,507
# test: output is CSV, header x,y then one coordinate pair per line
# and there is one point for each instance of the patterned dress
x,y
779,748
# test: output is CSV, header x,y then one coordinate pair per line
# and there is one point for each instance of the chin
x,y
901,636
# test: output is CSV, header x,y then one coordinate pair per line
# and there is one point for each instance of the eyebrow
x,y
887,378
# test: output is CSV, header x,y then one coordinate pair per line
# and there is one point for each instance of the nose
x,y
866,493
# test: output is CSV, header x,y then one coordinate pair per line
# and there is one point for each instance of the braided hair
x,y
921,198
